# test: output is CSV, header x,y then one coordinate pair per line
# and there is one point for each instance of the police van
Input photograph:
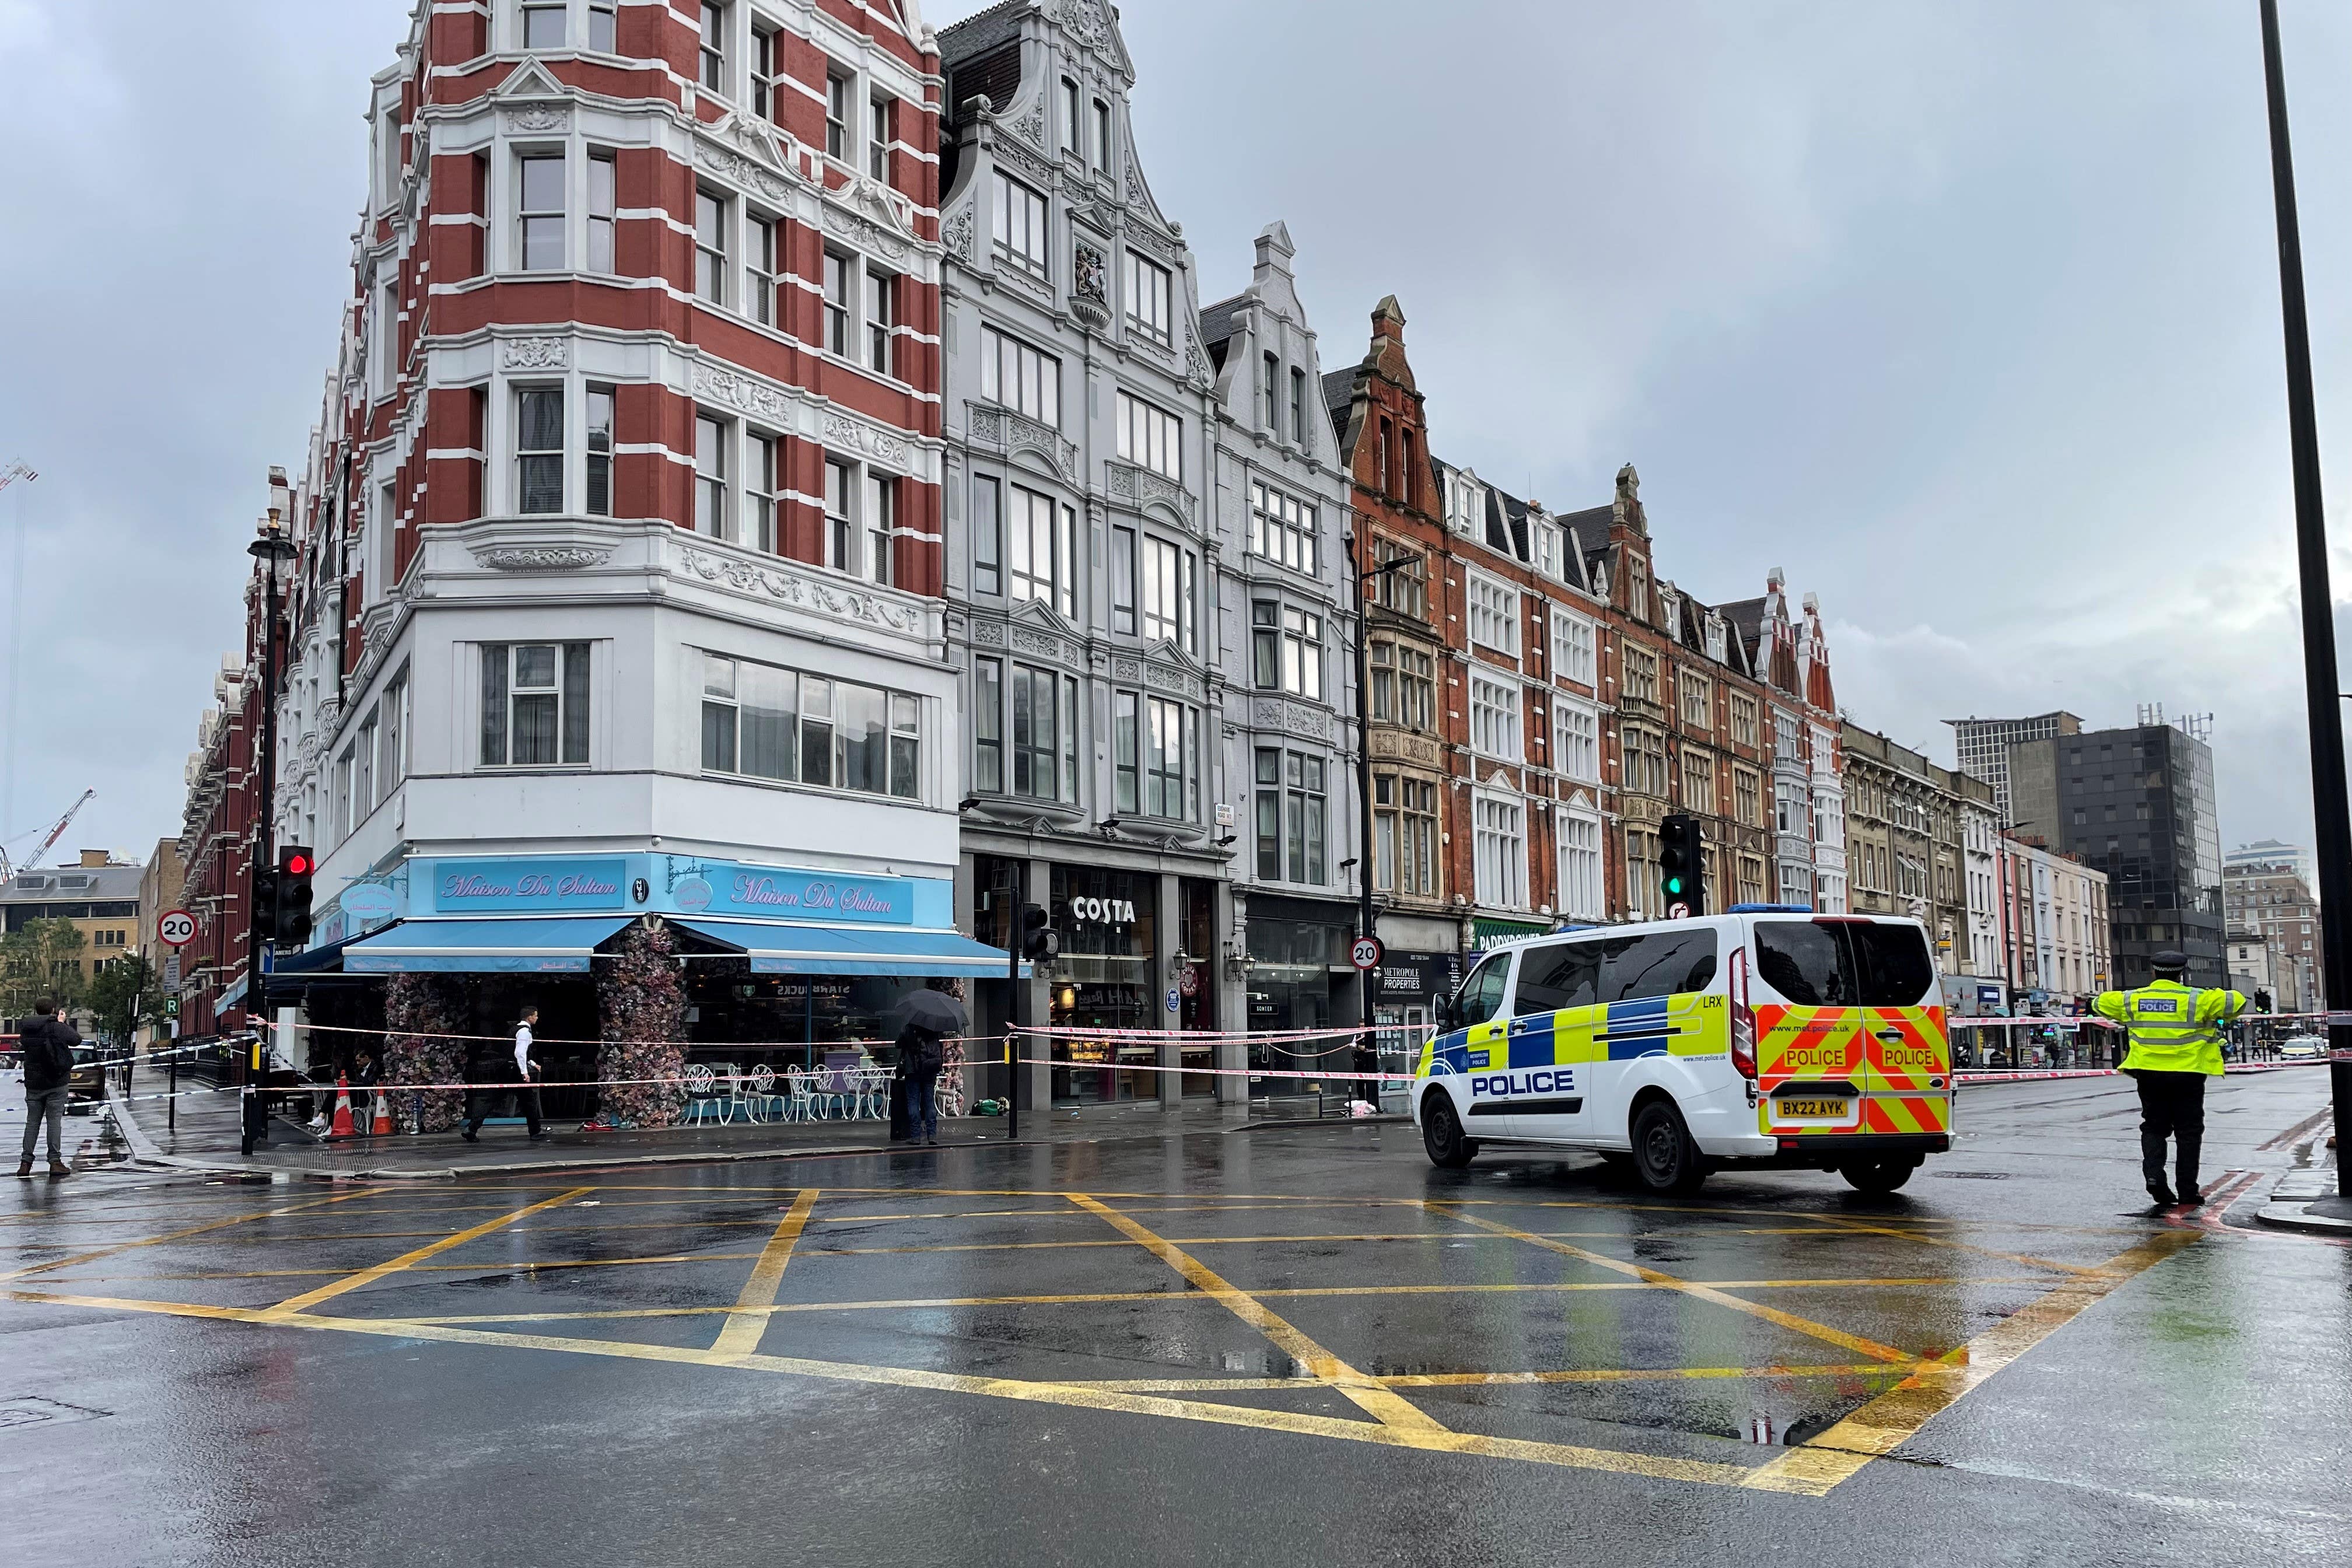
x,y
1769,1036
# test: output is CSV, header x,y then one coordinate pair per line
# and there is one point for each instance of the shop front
x,y
1108,923
1406,989
1488,932
1300,979
782,966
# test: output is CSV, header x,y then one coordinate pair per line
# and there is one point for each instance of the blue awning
x,y
776,948
555,944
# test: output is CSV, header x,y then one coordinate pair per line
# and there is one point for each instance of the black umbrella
x,y
933,1012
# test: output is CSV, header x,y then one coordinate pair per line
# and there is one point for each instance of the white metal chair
x,y
801,1106
702,1091
760,1102
730,1077
835,1092
874,1092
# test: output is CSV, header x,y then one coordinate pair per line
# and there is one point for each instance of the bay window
x,y
1150,437
1020,377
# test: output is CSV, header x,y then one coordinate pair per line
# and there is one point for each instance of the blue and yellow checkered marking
x,y
1682,1025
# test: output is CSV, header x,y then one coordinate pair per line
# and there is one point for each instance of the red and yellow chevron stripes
x,y
1807,1042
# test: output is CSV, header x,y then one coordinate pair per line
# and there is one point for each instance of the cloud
x,y
1965,315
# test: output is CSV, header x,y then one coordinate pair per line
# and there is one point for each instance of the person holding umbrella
x,y
923,1018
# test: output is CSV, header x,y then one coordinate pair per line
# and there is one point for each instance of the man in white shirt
x,y
526,1074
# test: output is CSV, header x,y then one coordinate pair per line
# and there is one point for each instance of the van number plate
x,y
1830,1109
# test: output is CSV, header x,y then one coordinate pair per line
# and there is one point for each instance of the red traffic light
x,y
298,863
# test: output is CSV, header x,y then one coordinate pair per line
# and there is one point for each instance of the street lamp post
x,y
1366,978
270,546
2331,819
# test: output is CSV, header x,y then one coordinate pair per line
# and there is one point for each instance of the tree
x,y
41,958
125,994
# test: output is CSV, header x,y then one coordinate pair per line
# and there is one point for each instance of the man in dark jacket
x,y
919,1055
47,1043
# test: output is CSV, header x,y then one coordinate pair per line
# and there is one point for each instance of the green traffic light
x,y
1673,884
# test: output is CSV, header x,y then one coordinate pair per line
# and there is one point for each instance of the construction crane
x,y
8,867
14,471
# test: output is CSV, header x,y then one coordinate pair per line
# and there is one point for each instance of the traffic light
x,y
1038,938
265,901
2261,1001
1682,867
296,864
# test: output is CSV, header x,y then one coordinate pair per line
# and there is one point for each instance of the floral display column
x,y
422,1015
643,1006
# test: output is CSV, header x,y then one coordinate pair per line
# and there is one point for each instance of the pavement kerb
x,y
146,1153
2310,1199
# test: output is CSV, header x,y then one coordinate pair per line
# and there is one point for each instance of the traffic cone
x,y
343,1127
382,1127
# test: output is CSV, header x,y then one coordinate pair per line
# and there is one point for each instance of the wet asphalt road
x,y
1278,1346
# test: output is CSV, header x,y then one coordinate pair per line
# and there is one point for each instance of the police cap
x,y
2172,961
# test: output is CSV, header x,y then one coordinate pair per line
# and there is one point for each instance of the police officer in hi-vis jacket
x,y
2173,1035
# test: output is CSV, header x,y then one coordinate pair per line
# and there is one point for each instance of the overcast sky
x,y
1965,315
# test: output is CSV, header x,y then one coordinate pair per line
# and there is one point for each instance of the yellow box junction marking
x,y
1878,1427
308,1299
1896,1417
740,1335
1703,1292
1389,1408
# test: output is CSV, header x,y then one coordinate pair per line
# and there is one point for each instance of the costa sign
x,y
1102,911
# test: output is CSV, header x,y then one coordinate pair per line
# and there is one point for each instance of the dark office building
x,y
2139,804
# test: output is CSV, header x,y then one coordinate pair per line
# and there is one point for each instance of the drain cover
x,y
1972,1175
31,1410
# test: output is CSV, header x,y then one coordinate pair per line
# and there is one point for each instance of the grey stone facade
x,y
1083,558
1284,613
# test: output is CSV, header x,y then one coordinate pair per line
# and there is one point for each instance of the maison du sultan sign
x,y
606,884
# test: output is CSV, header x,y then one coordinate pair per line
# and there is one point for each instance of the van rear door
x,y
1810,1073
1907,1048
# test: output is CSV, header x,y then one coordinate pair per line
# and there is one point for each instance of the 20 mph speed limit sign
x,y
1366,952
176,927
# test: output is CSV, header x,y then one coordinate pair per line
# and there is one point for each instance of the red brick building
x,y
1573,698
619,537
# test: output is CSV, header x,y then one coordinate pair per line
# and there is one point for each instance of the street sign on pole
x,y
177,927
172,973
1366,952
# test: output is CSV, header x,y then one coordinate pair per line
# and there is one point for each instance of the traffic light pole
x,y
265,851
2332,818
1013,941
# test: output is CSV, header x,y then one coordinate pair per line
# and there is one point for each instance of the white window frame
x,y
1500,850
1495,730
712,246
518,455
526,216
1170,593
1575,649
1576,740
710,70
1283,528
1151,288
1583,874
1494,614
1023,238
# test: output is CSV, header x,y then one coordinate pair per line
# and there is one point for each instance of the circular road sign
x,y
176,927
1366,952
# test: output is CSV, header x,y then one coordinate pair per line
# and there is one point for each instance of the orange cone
x,y
343,1127
382,1127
